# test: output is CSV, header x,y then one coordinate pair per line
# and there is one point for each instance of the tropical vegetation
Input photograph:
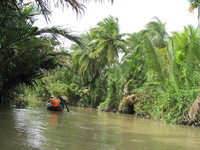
x,y
148,73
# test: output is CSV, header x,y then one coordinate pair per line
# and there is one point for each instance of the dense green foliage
x,y
148,73
26,52
162,70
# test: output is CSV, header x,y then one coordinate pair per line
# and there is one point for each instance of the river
x,y
90,129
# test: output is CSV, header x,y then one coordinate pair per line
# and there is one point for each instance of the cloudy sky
x,y
133,15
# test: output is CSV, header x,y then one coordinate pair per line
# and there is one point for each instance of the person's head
x,y
52,97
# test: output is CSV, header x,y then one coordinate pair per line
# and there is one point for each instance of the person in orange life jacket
x,y
54,101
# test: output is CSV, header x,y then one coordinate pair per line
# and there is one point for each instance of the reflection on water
x,y
89,129
30,127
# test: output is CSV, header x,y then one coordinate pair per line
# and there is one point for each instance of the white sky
x,y
133,15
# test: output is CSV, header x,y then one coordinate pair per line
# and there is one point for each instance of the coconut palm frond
x,y
173,70
84,62
56,32
154,60
15,35
156,30
186,48
44,8
76,5
101,46
195,4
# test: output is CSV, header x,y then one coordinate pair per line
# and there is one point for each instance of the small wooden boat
x,y
55,108
61,106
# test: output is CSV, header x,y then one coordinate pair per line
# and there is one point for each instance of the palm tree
x,y
157,32
44,5
102,45
107,40
24,45
195,4
154,60
82,56
132,63
173,69
186,49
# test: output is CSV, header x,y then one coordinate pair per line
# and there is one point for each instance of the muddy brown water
x,y
90,129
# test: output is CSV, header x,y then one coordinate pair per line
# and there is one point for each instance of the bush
x,y
167,105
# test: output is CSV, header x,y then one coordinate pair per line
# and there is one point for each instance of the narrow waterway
x,y
90,129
